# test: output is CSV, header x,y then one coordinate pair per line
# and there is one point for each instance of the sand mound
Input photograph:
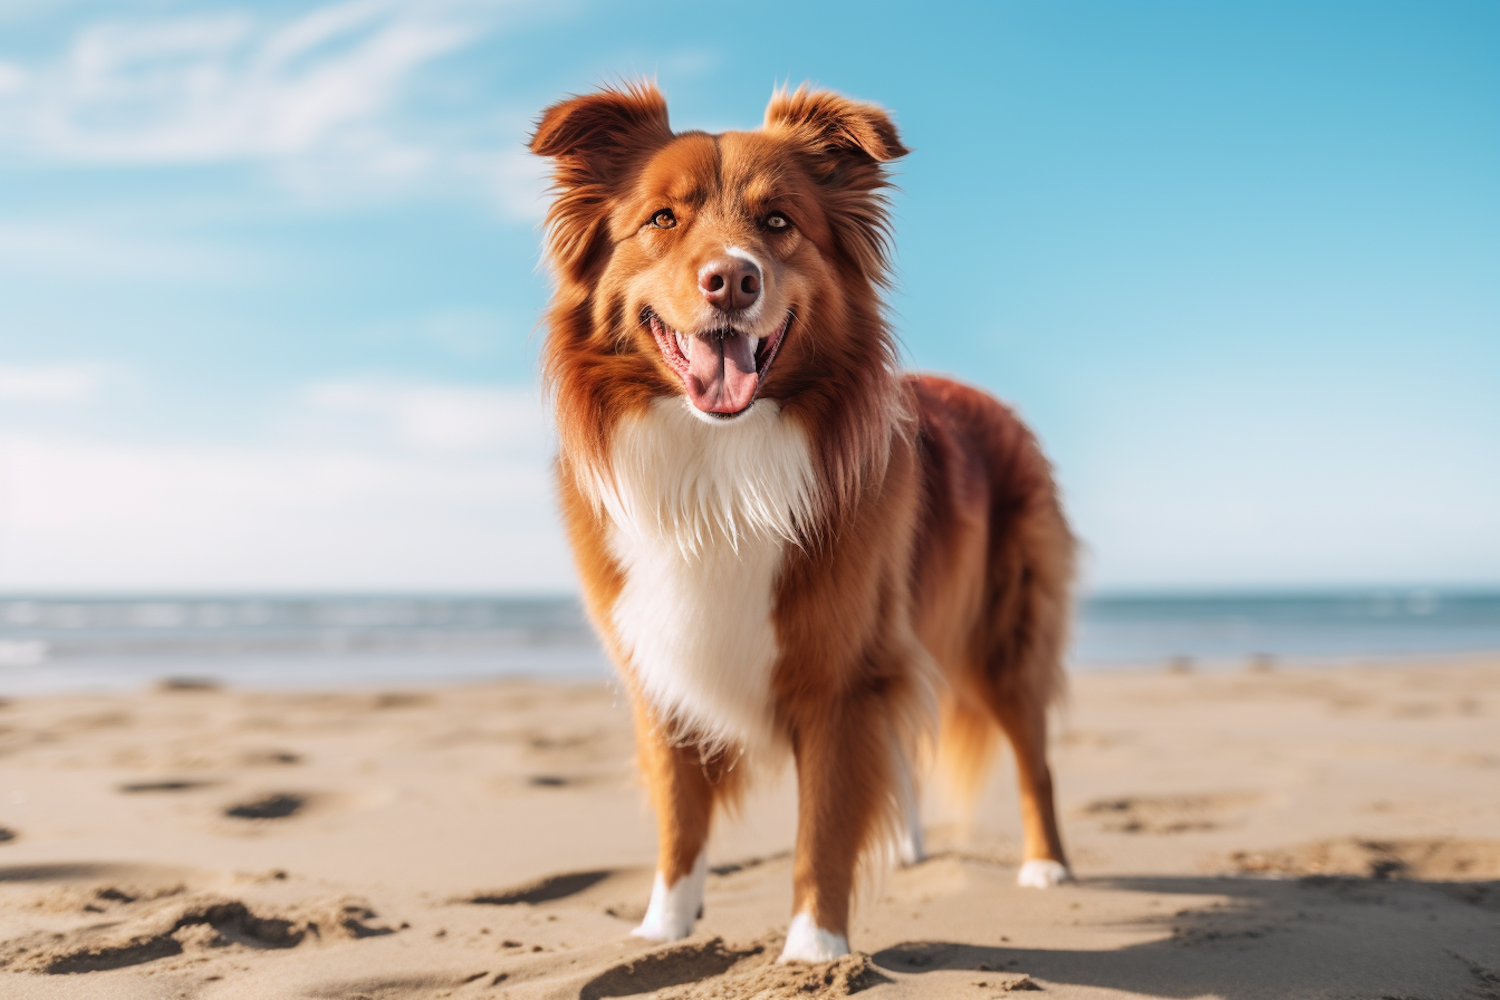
x,y
847,976
713,970
685,963
146,928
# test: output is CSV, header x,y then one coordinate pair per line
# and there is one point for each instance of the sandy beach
x,y
1329,832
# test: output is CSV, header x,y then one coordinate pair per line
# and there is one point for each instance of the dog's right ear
x,y
594,140
596,131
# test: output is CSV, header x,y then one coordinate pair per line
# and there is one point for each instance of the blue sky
x,y
269,282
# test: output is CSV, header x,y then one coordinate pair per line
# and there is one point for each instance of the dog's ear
x,y
835,125
847,144
599,130
595,140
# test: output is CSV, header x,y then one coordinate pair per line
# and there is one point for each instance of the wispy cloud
x,y
324,98
227,86
12,77
49,383
440,418
79,248
359,483
76,513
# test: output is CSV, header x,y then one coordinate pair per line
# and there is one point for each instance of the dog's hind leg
x,y
909,847
685,785
1025,724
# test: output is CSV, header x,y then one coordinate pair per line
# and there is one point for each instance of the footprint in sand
x,y
544,890
269,758
548,781
1168,814
179,785
570,748
278,805
619,893
552,780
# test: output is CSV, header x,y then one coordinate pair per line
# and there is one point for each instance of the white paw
x,y
674,909
909,849
807,942
1043,873
655,928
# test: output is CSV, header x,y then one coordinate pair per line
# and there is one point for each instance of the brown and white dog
x,y
785,543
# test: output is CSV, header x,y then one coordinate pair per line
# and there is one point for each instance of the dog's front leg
x,y
685,783
843,781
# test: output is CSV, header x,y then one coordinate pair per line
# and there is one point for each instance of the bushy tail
x,y
1017,658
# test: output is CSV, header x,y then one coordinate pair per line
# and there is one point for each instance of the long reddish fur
x,y
939,511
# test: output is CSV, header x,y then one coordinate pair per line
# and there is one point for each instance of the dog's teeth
x,y
682,344
754,343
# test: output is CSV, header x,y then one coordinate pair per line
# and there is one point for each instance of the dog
x,y
787,545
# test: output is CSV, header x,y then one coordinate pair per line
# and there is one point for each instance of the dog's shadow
x,y
1309,937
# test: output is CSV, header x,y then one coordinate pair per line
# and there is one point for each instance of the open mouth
x,y
722,369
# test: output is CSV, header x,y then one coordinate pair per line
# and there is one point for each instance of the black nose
x,y
730,283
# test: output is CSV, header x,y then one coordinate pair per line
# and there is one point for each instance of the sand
x,y
1329,832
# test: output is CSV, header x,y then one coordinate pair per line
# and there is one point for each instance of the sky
x,y
270,277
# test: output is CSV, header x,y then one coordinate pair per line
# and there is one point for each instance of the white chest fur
x,y
701,515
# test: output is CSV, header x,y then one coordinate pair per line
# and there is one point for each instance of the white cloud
x,y
12,77
322,99
79,514
48,383
1210,506
450,489
518,183
226,87
440,418
72,249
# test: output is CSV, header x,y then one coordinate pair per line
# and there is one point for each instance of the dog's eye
x,y
777,221
664,219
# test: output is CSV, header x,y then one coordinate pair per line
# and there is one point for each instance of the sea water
x,y
58,643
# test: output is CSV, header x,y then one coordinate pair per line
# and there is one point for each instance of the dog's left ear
x,y
836,126
847,144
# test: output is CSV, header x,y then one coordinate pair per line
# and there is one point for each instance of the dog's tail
x,y
1015,669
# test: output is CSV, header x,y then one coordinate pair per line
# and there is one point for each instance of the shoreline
x,y
552,664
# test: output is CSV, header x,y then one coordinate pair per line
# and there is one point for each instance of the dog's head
x,y
725,268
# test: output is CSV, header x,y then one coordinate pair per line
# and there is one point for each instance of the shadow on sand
x,y
1274,939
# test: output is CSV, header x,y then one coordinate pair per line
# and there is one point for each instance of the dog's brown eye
x,y
664,219
777,221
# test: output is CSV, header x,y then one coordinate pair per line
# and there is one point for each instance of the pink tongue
x,y
721,373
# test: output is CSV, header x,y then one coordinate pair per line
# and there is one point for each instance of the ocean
x,y
113,643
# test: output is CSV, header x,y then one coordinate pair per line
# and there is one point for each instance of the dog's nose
x,y
730,283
